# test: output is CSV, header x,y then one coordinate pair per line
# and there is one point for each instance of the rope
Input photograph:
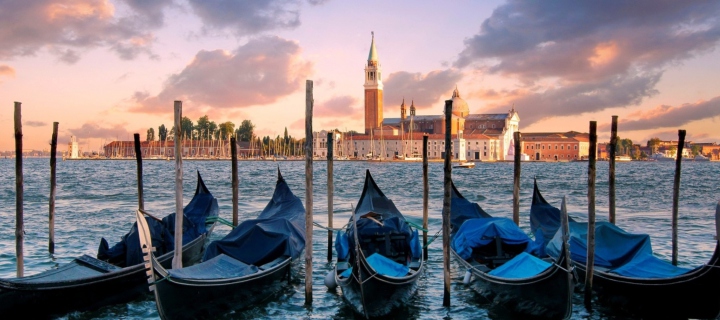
x,y
434,237
327,228
158,281
419,227
221,220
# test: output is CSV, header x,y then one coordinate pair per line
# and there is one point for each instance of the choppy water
x,y
98,198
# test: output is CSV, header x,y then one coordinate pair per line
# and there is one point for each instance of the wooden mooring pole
x,y
591,216
53,188
516,179
138,158
19,223
330,191
426,195
446,204
676,195
177,257
233,156
612,148
308,189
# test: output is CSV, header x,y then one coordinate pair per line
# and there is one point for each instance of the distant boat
x,y
658,156
623,158
468,165
700,157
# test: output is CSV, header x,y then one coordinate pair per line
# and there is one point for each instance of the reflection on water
x,y
97,199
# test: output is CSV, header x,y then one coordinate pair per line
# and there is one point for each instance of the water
x,y
97,199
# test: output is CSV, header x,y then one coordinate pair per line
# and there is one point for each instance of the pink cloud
x,y
342,106
257,73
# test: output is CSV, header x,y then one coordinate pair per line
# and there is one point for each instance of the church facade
x,y
483,137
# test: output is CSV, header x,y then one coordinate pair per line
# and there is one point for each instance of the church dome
x,y
459,106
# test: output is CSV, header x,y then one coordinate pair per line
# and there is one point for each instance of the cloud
x,y
423,89
317,2
257,73
248,17
298,124
576,99
7,71
669,117
101,131
151,12
35,123
670,135
66,29
589,41
337,107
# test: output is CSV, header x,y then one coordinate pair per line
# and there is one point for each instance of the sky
x,y
106,69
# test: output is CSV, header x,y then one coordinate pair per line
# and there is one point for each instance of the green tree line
x,y
206,129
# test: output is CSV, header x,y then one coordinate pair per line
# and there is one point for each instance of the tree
x,y
245,131
205,128
186,128
623,146
226,129
150,135
162,132
654,143
696,149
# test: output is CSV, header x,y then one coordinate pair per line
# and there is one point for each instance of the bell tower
x,y
373,90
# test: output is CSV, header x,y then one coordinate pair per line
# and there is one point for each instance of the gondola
x,y
379,257
117,275
244,267
503,266
629,279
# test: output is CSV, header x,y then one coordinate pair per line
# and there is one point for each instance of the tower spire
x,y
373,90
372,56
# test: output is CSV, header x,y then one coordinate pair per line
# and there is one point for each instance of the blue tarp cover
x,y
522,265
415,247
342,246
462,209
544,220
475,233
387,267
220,267
127,251
374,204
623,253
279,230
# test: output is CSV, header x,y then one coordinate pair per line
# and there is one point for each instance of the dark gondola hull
x,y
545,296
43,299
692,295
87,283
379,294
206,299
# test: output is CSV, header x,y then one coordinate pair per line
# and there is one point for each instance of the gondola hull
x,y
547,295
207,299
87,283
82,286
378,295
691,295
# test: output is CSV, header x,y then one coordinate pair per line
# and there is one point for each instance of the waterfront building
x,y
73,148
556,146
487,137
